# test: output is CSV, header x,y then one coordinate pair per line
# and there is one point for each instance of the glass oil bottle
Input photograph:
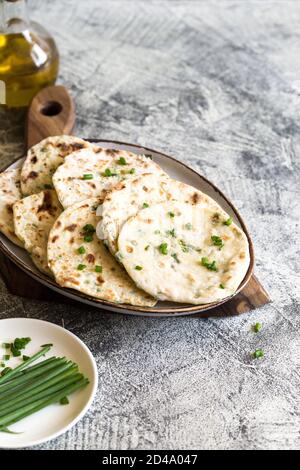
x,y
29,59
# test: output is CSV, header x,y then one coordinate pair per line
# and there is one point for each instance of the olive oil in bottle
x,y
29,58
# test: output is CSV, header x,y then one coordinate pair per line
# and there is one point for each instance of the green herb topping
x,y
6,345
217,241
81,250
132,171
88,176
211,266
81,267
21,343
258,353
138,268
171,214
6,357
98,269
145,205
163,248
147,247
257,327
122,161
25,358
89,228
108,172
64,401
15,352
228,221
222,286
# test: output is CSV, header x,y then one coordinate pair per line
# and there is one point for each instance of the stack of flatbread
x,y
113,225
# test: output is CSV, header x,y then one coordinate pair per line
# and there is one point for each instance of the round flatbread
x,y
10,192
43,159
83,176
184,253
79,260
129,197
33,218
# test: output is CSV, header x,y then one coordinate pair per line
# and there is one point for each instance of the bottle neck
x,y
13,16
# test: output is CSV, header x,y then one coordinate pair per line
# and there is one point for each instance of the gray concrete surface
x,y
216,84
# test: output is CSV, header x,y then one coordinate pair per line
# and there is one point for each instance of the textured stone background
x,y
216,84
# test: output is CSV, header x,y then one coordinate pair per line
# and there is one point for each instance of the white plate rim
x,y
130,309
93,381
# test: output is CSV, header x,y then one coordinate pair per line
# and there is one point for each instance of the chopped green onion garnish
x,y
88,176
217,241
2,364
132,171
25,358
222,286
89,228
171,214
88,238
64,401
122,161
163,248
145,205
15,352
257,354
21,343
138,268
108,172
147,247
257,327
228,221
81,267
81,250
6,345
6,357
98,269
211,266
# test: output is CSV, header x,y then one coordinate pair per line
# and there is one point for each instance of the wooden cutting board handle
x,y
51,112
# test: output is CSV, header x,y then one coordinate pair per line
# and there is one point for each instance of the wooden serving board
x,y
52,112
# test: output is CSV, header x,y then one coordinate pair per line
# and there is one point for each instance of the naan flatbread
x,y
83,176
80,261
184,253
33,218
10,192
43,159
130,196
